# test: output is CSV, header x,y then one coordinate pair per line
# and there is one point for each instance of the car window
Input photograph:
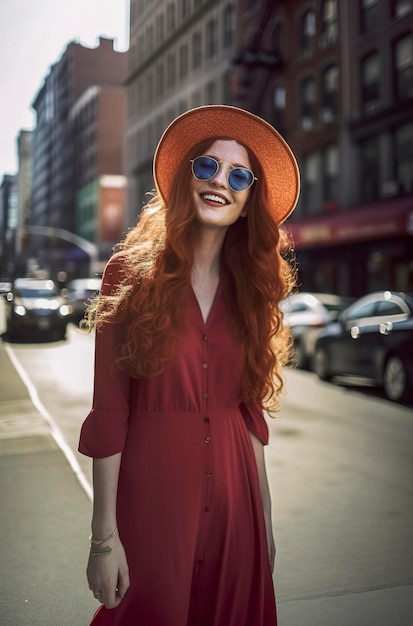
x,y
298,307
364,310
36,293
389,308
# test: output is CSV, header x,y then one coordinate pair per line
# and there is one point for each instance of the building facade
x,y
335,77
9,206
78,138
180,57
97,122
24,182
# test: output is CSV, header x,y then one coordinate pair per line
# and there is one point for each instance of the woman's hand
x,y
108,575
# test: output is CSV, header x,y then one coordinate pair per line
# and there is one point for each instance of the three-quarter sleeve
x,y
105,428
253,415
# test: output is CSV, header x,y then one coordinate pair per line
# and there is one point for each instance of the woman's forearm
x,y
105,486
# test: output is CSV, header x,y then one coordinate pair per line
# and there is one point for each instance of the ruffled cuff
x,y
103,432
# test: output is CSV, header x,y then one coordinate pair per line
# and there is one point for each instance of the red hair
x,y
156,258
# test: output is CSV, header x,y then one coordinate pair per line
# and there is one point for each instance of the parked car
x,y
5,286
372,339
307,313
78,293
35,307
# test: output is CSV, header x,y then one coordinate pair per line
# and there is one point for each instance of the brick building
x,y
78,139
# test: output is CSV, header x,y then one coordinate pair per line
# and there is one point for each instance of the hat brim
x,y
277,161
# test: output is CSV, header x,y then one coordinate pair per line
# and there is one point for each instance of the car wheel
x,y
397,386
321,364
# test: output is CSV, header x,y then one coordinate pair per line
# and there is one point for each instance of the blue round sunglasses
x,y
206,167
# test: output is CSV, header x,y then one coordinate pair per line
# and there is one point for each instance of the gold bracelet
x,y
100,551
98,542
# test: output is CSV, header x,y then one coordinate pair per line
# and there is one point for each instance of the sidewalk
x,y
44,519
44,523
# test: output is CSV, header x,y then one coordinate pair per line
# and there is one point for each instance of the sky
x,y
33,36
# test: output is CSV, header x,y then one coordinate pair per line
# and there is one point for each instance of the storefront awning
x,y
377,221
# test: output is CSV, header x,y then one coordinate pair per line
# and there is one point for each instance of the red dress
x,y
189,508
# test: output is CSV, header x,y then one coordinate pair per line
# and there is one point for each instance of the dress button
x,y
199,562
208,473
204,365
204,337
205,395
207,439
206,420
206,509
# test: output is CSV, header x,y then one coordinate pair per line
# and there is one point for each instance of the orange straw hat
x,y
277,161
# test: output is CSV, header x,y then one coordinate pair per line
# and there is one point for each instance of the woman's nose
x,y
221,177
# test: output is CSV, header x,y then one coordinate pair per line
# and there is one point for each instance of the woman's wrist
x,y
102,528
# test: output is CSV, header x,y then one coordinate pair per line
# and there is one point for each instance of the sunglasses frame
x,y
229,171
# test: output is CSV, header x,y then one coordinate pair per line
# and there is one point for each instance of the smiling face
x,y
216,205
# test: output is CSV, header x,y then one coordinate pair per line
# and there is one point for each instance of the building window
x,y
329,94
229,26
196,50
185,7
183,61
279,107
400,8
211,93
149,88
170,71
370,73
159,80
227,87
329,28
149,39
170,17
369,15
211,39
196,99
403,68
310,178
330,177
308,27
160,28
370,179
404,157
277,35
308,95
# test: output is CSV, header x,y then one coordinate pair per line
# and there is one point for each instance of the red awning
x,y
377,221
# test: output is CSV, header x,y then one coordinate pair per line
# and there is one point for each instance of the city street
x,y
340,464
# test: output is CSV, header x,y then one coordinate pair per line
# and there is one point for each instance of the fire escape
x,y
255,64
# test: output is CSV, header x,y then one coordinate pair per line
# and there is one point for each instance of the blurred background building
x,y
334,76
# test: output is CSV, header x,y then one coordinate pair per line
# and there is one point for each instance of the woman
x,y
189,348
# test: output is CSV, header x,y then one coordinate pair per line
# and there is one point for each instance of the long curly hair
x,y
156,259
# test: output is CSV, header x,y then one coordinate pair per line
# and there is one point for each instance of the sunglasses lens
x,y
204,168
240,178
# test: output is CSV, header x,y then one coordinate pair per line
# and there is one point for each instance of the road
x,y
340,466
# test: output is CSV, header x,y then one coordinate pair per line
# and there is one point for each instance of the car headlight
x,y
19,309
65,310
